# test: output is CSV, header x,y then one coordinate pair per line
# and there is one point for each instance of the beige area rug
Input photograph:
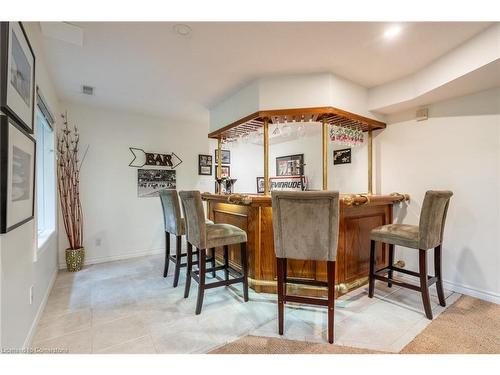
x,y
468,326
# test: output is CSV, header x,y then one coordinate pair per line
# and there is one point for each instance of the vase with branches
x,y
69,165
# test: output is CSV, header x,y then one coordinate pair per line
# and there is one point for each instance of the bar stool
x,y
175,225
203,236
427,235
306,227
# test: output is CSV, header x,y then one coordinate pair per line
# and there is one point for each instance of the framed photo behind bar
x,y
205,165
291,165
17,175
17,75
226,156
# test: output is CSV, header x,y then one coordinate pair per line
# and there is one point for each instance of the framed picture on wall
x,y
17,75
342,156
225,171
226,156
17,175
291,165
151,181
260,185
205,165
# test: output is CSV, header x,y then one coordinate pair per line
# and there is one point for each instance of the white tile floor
x,y
128,307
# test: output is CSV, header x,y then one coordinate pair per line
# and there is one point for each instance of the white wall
x,y
247,163
458,149
124,224
22,266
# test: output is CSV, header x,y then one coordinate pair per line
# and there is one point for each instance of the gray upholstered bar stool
x,y
306,226
203,236
427,235
175,224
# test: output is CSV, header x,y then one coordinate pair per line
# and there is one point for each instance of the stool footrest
x,y
223,283
308,300
306,282
430,279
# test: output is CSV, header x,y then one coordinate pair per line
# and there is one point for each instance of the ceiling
x,y
149,68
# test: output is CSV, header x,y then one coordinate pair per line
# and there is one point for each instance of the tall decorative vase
x,y
75,259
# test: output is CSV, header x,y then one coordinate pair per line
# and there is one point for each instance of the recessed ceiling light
x,y
182,29
392,32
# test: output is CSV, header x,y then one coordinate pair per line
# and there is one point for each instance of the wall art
x,y
342,156
151,181
17,175
291,165
17,75
226,156
260,185
205,165
142,158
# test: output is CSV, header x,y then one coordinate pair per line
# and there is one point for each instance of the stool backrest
x,y
433,217
306,224
171,211
194,215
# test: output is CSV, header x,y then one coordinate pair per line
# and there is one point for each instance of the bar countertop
x,y
347,200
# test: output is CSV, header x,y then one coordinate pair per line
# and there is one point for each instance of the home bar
x,y
360,212
250,188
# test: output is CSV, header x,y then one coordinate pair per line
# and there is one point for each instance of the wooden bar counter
x,y
253,213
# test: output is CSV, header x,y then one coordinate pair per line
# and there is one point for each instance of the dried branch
x,y
68,182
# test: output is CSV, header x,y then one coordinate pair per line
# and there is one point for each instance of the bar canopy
x,y
328,115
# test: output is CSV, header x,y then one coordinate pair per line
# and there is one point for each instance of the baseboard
x,y
473,292
460,288
43,303
111,258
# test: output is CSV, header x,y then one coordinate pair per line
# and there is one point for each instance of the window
x,y
45,173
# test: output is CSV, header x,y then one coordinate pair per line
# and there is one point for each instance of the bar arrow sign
x,y
142,158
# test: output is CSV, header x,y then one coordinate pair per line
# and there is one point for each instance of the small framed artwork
x,y
291,165
205,165
17,75
17,175
342,156
225,171
260,185
150,182
226,156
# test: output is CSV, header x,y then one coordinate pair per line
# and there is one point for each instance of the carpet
x,y
469,326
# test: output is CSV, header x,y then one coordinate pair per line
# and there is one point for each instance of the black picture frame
x,y
342,156
226,174
294,165
260,185
8,127
226,156
15,98
204,165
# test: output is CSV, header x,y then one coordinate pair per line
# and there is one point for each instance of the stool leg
x,y
167,254
244,266
202,267
212,260
391,263
226,262
424,287
371,287
331,299
285,276
177,260
280,272
189,269
437,272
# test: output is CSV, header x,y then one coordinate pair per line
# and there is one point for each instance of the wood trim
x,y
326,114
